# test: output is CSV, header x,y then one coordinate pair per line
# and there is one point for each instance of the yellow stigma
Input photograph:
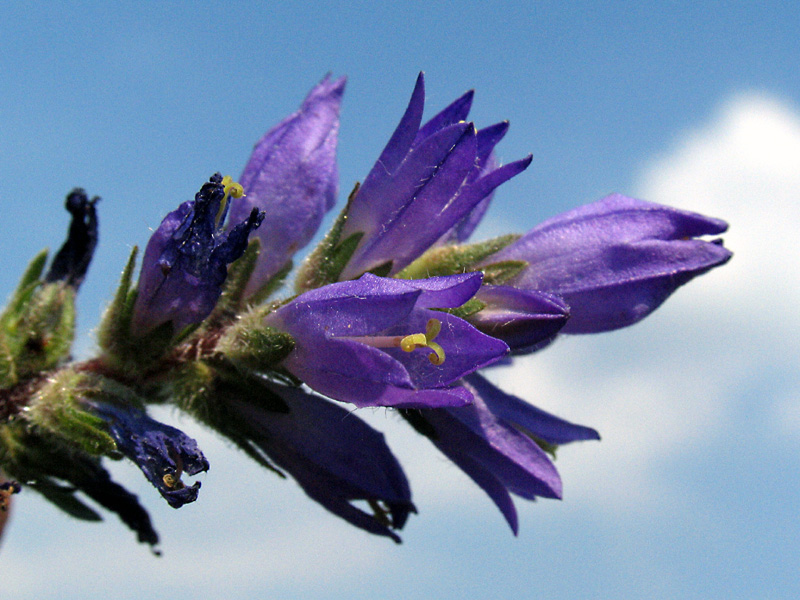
x,y
425,340
231,190
173,481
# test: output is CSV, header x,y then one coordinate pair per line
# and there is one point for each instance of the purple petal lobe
x,y
404,135
468,209
488,138
292,176
455,112
493,442
522,319
333,455
616,260
513,410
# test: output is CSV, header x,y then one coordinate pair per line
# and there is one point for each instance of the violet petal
x,y
292,176
616,260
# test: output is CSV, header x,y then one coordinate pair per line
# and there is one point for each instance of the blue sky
x,y
693,491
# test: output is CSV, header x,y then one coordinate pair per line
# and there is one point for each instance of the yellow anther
x,y
173,482
432,328
437,356
231,187
413,341
425,340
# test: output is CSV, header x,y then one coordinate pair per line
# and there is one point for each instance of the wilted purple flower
x,y
334,456
186,260
426,182
72,260
616,260
525,320
494,441
292,176
163,453
355,341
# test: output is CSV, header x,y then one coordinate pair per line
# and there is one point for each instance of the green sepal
x,y
37,326
30,280
502,272
114,333
274,284
327,261
8,366
450,260
121,350
546,446
417,420
213,411
56,408
383,269
43,463
200,388
190,388
250,345
322,268
232,300
469,308
41,335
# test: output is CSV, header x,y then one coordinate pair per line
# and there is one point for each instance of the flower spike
x,y
394,308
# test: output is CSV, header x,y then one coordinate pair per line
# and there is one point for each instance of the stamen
x,y
232,189
411,342
425,340
173,480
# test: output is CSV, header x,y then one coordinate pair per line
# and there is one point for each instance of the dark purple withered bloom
x,y
616,260
163,453
186,260
371,341
292,176
426,182
334,456
496,442
72,260
523,319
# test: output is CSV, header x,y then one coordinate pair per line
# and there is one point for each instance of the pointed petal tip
x,y
497,129
327,90
466,99
419,84
512,520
